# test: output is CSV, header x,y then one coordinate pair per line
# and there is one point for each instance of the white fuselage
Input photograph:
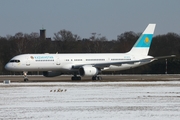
x,y
66,62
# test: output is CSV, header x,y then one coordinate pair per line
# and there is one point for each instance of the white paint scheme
x,y
67,61
150,29
91,64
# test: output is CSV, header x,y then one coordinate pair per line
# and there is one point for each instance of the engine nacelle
x,y
51,73
88,71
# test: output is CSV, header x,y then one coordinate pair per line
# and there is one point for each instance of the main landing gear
x,y
75,77
25,76
96,78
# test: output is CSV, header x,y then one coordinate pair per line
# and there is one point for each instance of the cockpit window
x,y
16,61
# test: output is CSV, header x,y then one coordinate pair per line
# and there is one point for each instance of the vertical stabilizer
x,y
142,45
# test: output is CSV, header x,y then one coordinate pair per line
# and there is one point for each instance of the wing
x,y
107,64
104,64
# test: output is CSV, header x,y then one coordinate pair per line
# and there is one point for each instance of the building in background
x,y
43,34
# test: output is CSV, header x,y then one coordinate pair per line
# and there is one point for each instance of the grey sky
x,y
83,17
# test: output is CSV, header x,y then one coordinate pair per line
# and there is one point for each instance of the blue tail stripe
x,y
144,41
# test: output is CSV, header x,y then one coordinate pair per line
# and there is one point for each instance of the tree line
x,y
65,41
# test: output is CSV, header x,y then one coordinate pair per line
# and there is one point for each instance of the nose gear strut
x,y
25,76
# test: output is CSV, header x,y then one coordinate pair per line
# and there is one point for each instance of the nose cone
x,y
7,66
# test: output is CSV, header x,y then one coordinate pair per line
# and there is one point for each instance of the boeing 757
x,y
87,64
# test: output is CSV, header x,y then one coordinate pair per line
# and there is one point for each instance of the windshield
x,y
16,61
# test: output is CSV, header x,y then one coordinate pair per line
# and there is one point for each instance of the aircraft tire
x,y
96,78
75,78
25,79
99,78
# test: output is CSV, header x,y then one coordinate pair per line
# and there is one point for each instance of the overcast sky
x,y
83,17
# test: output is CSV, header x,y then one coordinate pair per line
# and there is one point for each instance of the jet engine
x,y
88,71
51,73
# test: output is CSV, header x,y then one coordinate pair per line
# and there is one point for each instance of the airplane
x,y
86,64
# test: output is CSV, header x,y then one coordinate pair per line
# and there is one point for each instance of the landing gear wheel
x,y
96,78
25,79
99,78
75,78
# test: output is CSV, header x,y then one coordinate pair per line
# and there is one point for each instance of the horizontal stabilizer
x,y
162,57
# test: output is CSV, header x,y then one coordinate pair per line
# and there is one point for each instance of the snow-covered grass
x,y
91,101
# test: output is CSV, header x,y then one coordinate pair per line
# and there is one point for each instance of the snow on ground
x,y
91,101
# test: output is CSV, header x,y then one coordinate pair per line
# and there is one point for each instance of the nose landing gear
x,y
25,76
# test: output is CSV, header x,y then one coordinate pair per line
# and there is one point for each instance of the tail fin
x,y
142,45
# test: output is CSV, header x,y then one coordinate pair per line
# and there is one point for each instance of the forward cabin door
x,y
27,61
58,61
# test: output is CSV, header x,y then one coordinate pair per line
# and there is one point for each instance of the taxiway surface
x,y
157,100
106,78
